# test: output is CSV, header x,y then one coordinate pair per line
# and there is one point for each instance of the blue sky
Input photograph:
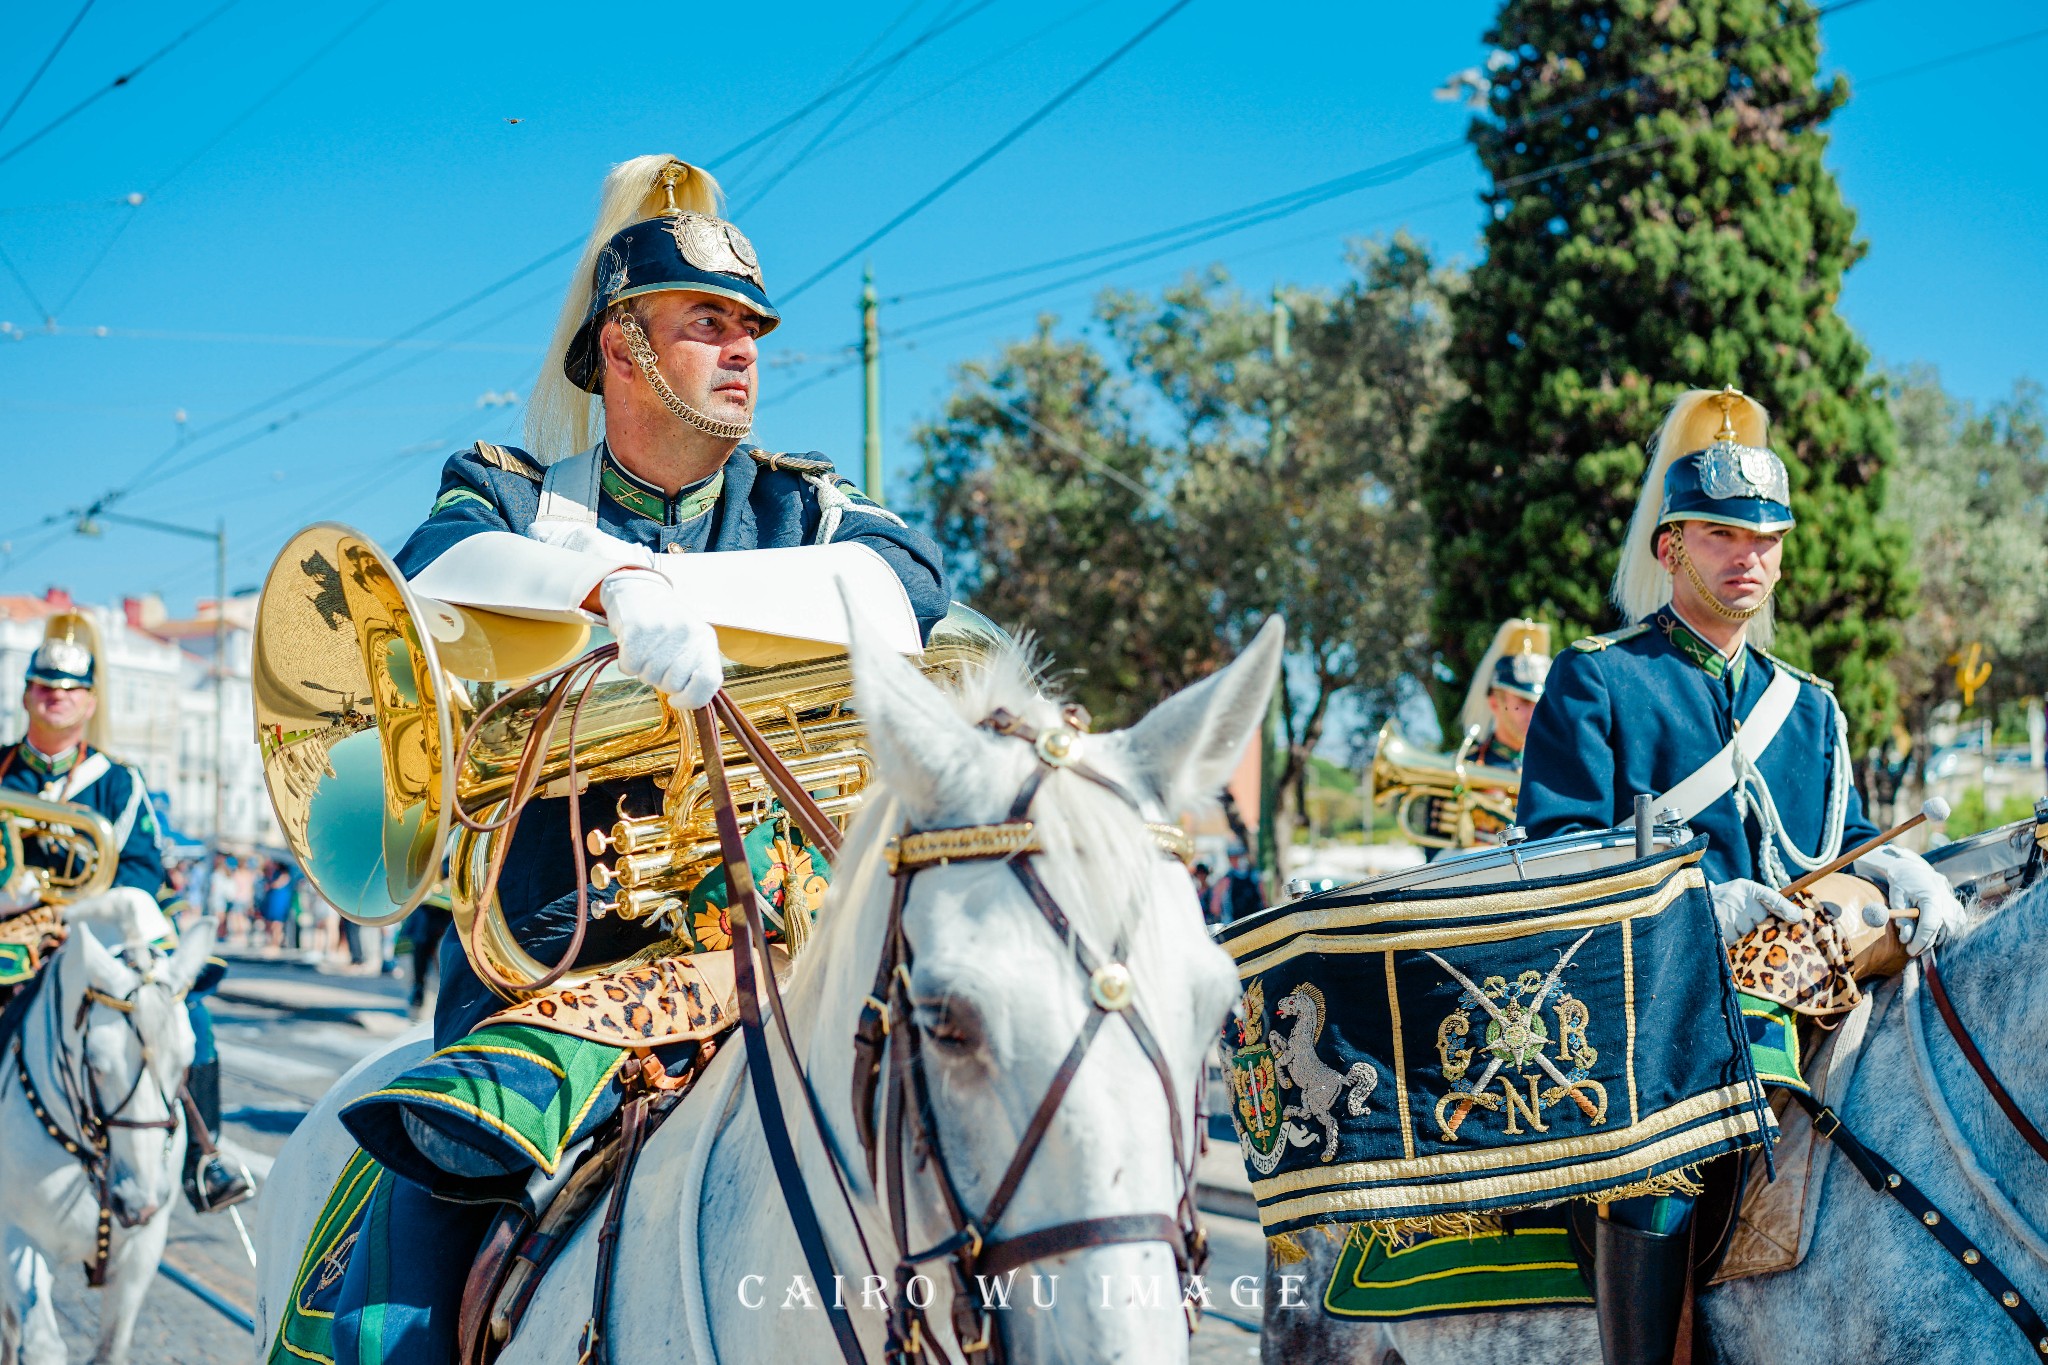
x,y
386,181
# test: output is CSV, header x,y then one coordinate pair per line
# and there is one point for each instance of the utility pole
x,y
871,371
89,525
1273,738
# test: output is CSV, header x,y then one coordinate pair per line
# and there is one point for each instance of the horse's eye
x,y
952,1023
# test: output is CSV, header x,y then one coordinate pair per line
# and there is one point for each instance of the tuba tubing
x,y
84,835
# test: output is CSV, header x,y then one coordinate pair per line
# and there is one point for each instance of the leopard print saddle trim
x,y
644,1001
1805,966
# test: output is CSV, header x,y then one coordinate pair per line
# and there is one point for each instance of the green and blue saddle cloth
x,y
380,1280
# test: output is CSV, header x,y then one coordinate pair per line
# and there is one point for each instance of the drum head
x,y
352,721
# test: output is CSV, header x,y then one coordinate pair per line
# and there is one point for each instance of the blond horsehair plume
x,y
1641,584
562,419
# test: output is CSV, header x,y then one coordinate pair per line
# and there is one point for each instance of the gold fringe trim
x,y
1397,1233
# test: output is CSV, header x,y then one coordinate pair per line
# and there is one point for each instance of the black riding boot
x,y
211,1184
1638,1291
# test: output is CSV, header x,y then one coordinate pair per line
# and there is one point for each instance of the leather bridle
x,y
972,1249
90,1115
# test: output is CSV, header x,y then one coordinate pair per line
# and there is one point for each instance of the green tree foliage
x,y
1971,487
1660,220
1139,517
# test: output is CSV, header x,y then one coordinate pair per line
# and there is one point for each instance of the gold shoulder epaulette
x,y
1798,673
1593,644
795,464
508,459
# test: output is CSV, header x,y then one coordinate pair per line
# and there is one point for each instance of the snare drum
x,y
1561,855
1988,868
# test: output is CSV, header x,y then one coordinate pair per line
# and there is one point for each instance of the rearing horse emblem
x,y
1517,1041
1321,1084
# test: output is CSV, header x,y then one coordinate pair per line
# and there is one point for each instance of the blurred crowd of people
x,y
268,907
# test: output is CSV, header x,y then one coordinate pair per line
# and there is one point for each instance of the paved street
x,y
287,1032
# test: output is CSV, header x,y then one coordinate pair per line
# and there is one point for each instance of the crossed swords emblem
x,y
1518,1040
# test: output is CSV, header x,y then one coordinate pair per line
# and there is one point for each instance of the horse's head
x,y
129,1042
999,1000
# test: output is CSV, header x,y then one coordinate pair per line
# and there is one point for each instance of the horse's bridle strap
x,y
915,850
2022,1125
999,1258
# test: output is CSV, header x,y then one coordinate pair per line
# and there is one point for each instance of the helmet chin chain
x,y
643,355
1714,604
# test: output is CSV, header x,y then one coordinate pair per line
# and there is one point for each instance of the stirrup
x,y
213,1184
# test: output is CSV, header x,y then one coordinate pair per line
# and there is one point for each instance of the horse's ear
x,y
193,948
1187,748
103,970
928,755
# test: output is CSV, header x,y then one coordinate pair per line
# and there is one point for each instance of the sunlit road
x,y
287,1032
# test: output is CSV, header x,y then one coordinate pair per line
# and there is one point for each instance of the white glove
x,y
1741,905
661,641
1917,886
125,916
588,540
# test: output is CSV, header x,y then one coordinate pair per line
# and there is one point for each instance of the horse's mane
x,y
1098,857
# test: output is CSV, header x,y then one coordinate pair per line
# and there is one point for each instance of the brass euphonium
x,y
81,839
365,692
1442,800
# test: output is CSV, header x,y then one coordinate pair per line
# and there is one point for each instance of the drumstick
x,y
1936,810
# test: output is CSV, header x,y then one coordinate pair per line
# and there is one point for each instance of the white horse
x,y
709,1268
1875,1286
109,1086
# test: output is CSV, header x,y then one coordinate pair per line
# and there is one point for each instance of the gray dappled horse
x,y
1875,1286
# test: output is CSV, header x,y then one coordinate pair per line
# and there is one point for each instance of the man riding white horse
x,y
60,759
1686,704
662,324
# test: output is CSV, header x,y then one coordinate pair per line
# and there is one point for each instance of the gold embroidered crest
x,y
1517,1041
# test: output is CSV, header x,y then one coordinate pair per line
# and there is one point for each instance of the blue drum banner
x,y
1427,1059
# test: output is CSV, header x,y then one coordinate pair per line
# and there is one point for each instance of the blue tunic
x,y
119,794
763,502
1634,712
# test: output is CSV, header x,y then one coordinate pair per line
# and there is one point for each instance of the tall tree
x,y
1660,220
1141,517
1971,487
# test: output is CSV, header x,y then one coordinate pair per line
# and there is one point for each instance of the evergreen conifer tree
x,y
1660,220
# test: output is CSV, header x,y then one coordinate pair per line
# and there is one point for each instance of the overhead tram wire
x,y
123,79
33,80
292,391
1378,174
756,194
964,73
1512,182
995,149
154,190
1931,64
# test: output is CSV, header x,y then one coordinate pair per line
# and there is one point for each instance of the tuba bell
x,y
395,728
1442,800
82,840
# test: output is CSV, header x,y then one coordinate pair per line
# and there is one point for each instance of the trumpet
x,y
397,731
1442,800
81,840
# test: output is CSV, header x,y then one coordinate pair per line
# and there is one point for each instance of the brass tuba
x,y
1442,800
368,698
81,839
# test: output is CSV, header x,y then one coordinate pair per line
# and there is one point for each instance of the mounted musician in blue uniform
x,y
1686,703
1504,691
60,760
638,434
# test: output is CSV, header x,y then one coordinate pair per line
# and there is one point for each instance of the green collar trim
x,y
1712,662
1496,754
43,764
638,496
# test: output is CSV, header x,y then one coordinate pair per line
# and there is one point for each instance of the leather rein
x,y
91,1117
972,1249
1886,1179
